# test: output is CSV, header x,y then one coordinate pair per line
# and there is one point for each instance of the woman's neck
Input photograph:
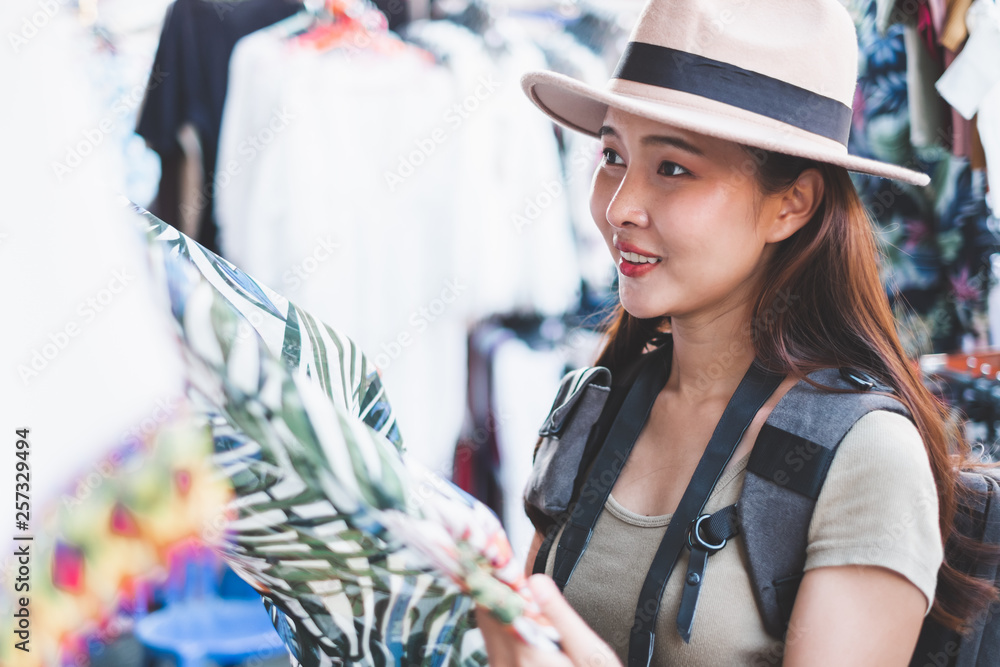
x,y
710,355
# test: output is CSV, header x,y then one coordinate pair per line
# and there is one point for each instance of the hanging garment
x,y
519,204
937,240
972,84
477,468
580,157
954,33
197,39
78,346
370,558
960,127
924,64
305,203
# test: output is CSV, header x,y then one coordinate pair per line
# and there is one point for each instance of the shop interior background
x,y
400,187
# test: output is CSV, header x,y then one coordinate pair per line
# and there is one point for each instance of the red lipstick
x,y
635,269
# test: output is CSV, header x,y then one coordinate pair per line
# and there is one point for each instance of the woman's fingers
x,y
506,649
495,637
580,643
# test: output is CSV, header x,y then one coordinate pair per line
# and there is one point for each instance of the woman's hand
x,y
581,645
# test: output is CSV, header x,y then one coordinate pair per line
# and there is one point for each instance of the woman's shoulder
x,y
881,456
883,442
879,504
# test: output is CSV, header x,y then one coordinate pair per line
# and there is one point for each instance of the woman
x,y
723,190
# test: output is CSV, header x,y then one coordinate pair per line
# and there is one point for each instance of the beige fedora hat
x,y
774,74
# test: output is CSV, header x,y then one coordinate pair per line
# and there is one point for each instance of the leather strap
x,y
754,389
708,534
610,460
691,592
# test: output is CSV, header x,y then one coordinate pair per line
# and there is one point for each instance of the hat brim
x,y
582,107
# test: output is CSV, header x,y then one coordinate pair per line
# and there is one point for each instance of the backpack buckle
x,y
859,379
695,533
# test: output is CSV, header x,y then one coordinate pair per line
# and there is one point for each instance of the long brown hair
x,y
842,317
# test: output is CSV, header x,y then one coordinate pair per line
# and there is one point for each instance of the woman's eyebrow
x,y
658,140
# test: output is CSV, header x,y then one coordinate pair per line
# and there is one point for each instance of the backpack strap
x,y
752,392
610,460
708,534
785,473
597,431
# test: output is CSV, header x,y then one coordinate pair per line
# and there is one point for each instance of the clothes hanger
x,y
353,24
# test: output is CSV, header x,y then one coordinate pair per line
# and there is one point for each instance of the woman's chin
x,y
642,311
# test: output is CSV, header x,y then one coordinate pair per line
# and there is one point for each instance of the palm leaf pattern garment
x,y
361,555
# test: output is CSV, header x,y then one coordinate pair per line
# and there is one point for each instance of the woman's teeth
x,y
636,258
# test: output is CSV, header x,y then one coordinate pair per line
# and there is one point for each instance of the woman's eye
x,y
672,169
611,157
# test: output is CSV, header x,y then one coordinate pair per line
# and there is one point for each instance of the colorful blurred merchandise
x,y
938,240
361,554
103,552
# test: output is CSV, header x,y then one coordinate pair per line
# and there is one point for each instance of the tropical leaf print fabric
x,y
939,241
361,555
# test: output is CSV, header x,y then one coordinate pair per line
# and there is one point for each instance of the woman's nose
x,y
628,206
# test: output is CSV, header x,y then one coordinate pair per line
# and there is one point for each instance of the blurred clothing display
x,y
515,365
303,203
386,175
193,61
972,86
938,240
317,171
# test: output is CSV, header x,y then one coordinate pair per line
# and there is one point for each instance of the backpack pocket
x,y
563,438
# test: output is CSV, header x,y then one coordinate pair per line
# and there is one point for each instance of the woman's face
x,y
679,218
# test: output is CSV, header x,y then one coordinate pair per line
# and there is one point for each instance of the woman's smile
x,y
634,261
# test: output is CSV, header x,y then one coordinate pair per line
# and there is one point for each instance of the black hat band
x,y
758,93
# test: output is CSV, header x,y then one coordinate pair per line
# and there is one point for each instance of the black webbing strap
x,y
620,385
542,557
624,431
754,389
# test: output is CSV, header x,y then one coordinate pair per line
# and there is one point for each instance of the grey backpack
x,y
785,473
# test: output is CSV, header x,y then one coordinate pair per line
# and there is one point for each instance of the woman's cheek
x,y
600,199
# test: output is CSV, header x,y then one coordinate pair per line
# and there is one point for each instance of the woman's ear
x,y
797,205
